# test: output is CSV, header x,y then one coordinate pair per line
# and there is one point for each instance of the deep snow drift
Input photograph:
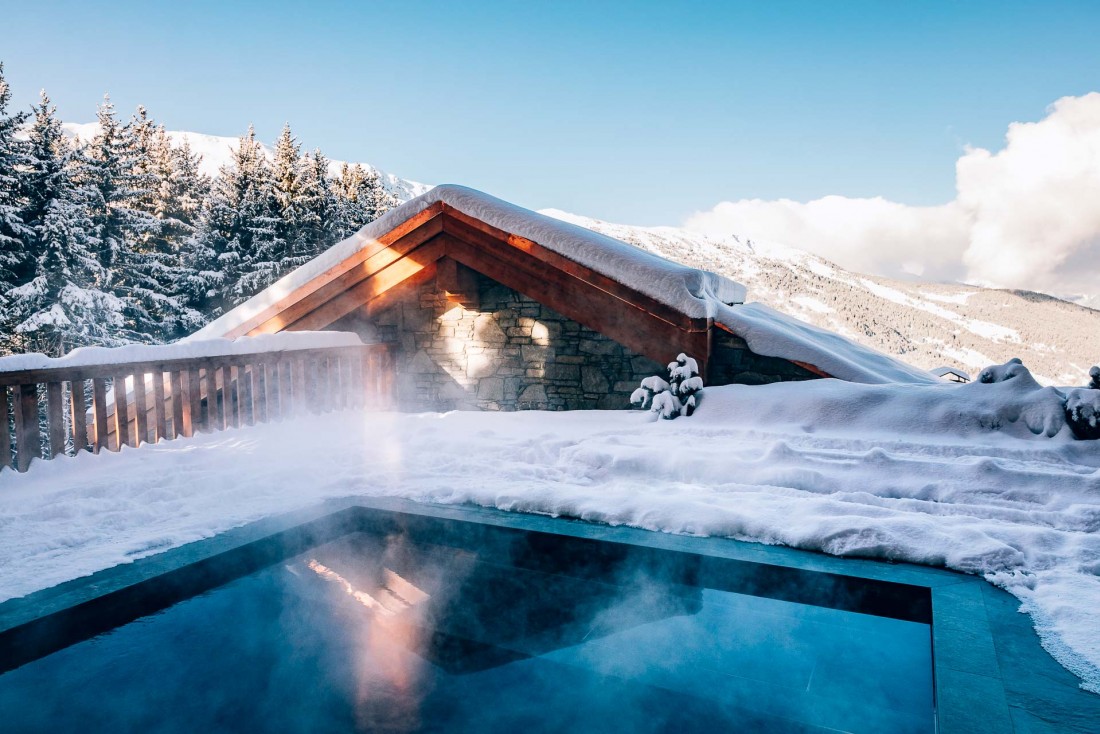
x,y
984,478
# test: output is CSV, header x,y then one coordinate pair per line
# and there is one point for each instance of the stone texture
x,y
514,353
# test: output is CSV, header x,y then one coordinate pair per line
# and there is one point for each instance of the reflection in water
x,y
378,633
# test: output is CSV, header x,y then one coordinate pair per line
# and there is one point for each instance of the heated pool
x,y
389,630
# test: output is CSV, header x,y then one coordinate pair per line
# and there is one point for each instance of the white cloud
x,y
1027,216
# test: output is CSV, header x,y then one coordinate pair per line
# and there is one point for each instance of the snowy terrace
x,y
72,404
983,478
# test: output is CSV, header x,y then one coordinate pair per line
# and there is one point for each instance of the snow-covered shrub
x,y
1083,413
1094,378
675,396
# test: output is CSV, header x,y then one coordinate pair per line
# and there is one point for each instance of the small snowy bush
x,y
673,397
1094,378
1083,413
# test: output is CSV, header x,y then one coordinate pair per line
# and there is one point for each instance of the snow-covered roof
x,y
693,292
775,334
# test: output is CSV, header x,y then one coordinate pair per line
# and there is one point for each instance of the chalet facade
x,y
493,307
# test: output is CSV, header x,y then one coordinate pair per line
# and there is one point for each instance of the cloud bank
x,y
1027,216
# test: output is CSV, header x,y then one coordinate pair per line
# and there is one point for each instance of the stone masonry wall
x,y
512,353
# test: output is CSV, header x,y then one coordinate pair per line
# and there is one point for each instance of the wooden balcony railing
x,y
65,410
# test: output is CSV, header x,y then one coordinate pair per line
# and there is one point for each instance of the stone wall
x,y
510,353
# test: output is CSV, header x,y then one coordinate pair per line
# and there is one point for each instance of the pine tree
x,y
14,259
65,302
320,205
233,251
289,183
362,198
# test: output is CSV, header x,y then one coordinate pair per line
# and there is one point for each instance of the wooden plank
x,y
55,418
180,421
5,430
141,411
274,378
194,419
160,409
367,290
347,372
377,262
259,399
233,403
210,390
78,413
122,414
221,382
246,408
300,402
99,415
28,439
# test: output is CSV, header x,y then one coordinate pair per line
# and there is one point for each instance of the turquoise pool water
x,y
376,633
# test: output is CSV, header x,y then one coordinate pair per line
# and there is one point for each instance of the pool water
x,y
378,633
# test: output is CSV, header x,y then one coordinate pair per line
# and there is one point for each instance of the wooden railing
x,y
65,410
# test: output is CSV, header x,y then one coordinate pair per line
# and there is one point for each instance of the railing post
x,y
160,418
99,414
28,440
141,410
55,418
5,431
79,417
122,413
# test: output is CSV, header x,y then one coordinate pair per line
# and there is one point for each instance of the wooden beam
x,y
55,418
628,324
28,440
5,430
372,287
457,282
360,265
460,224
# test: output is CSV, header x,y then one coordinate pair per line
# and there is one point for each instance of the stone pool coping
x,y
991,674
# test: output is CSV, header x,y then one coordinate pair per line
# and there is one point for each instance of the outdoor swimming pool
x,y
437,629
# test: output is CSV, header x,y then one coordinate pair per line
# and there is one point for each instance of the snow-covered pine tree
x,y
123,226
15,261
362,198
232,252
291,209
684,381
319,204
65,303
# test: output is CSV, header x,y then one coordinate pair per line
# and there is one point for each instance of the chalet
x,y
491,306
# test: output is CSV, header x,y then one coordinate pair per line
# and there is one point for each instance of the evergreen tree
x,y
14,259
320,205
289,182
65,302
362,198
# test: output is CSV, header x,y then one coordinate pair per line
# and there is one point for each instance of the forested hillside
x,y
120,236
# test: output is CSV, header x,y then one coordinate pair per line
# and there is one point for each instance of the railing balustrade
x,y
45,413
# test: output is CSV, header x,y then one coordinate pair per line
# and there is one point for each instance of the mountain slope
x,y
217,150
925,324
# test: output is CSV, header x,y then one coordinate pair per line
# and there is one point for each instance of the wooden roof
x,y
435,241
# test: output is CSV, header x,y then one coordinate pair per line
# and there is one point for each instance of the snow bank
x,y
774,334
694,292
962,476
215,347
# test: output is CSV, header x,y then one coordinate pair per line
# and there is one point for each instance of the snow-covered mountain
x,y
217,150
925,324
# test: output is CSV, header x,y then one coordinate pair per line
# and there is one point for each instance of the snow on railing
x,y
69,408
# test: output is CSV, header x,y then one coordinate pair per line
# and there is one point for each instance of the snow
x,y
962,476
774,334
692,292
93,356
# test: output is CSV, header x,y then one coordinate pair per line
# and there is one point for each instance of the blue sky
x,y
634,112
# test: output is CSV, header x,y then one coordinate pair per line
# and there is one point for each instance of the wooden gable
x,y
440,239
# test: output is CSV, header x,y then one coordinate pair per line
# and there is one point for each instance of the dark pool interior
x,y
390,632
